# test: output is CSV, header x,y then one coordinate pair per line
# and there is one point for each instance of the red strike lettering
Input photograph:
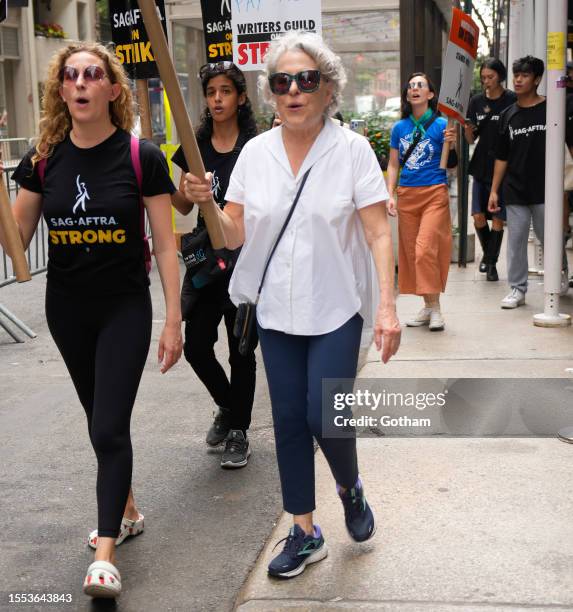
x,y
258,50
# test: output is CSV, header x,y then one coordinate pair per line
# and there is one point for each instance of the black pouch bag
x,y
245,328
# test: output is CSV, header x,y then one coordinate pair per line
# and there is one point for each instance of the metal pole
x,y
19,324
463,179
554,162
540,25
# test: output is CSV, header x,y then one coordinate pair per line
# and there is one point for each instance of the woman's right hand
x,y
197,190
387,332
391,206
493,202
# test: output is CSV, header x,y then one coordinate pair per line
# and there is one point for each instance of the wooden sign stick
x,y
144,108
186,134
446,147
12,234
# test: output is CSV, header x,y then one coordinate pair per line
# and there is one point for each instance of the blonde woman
x,y
87,177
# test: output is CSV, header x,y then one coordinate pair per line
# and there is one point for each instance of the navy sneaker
x,y
357,513
299,550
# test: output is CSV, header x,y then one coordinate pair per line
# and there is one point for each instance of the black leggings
x,y
104,342
201,334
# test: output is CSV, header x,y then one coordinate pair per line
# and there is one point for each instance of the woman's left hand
x,y
450,134
387,332
170,346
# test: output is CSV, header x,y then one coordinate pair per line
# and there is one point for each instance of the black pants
x,y
104,342
235,395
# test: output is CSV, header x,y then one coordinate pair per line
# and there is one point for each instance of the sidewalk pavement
x,y
463,524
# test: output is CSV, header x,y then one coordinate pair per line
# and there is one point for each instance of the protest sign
x,y
257,22
457,72
217,29
132,45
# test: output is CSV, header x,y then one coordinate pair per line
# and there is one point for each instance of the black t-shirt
x,y
219,164
92,209
484,113
521,143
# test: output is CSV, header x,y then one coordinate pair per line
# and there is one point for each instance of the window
x,y
82,21
368,43
10,43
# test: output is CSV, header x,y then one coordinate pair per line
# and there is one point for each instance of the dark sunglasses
x,y
90,74
214,68
307,81
417,85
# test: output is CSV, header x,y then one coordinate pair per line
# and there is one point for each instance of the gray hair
x,y
329,64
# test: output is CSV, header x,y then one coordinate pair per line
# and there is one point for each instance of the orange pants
x,y
425,239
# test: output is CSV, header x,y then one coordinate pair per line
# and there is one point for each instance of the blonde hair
x,y
56,121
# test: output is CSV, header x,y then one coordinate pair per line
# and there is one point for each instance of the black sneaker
x,y
357,513
220,428
299,550
237,450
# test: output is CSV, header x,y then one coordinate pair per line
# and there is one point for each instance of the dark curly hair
x,y
406,106
246,117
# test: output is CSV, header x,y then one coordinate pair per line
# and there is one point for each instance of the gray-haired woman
x,y
313,303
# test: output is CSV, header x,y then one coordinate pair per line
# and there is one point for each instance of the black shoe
x,y
237,450
491,274
492,255
220,428
357,513
299,550
483,233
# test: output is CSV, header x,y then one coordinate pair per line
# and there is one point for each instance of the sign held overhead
x,y
257,22
458,66
132,46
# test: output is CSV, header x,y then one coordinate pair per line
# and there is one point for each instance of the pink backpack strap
x,y
136,163
42,170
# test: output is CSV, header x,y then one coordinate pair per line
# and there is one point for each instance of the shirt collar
x,y
325,140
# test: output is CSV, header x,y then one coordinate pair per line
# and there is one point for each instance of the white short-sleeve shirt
x,y
320,275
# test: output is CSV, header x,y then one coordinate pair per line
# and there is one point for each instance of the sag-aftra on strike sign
x,y
132,46
458,67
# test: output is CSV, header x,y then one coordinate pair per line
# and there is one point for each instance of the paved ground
x,y
204,526
463,524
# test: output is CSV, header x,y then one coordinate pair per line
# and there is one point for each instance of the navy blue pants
x,y
295,367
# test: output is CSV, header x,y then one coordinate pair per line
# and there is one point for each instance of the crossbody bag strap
x,y
417,139
290,212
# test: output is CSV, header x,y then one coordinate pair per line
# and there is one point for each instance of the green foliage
x,y
378,131
50,30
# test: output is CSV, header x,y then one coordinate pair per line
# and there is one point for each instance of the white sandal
x,y
102,580
127,529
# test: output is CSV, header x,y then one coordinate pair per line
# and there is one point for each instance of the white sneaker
x,y
437,322
513,299
422,318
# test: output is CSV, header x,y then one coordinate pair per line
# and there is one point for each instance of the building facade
x,y
379,41
29,37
